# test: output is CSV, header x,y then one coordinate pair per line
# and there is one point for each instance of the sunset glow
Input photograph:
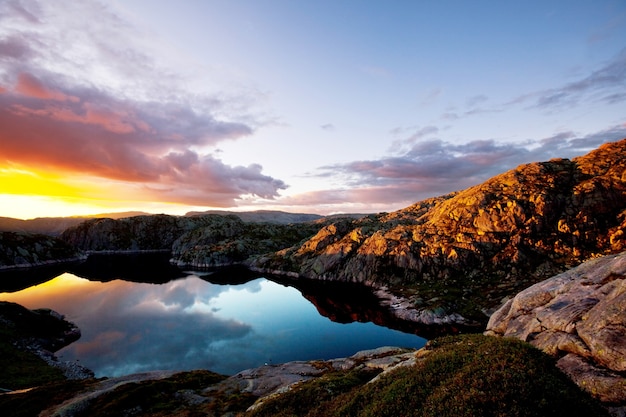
x,y
326,107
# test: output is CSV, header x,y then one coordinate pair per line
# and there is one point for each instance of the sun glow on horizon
x,y
27,194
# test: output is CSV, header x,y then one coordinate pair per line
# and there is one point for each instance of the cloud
x,y
435,167
90,100
476,100
606,84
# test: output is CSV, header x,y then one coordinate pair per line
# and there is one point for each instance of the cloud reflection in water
x,y
191,324
131,327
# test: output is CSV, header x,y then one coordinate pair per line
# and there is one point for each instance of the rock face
x,y
465,251
229,240
22,250
579,317
204,241
152,232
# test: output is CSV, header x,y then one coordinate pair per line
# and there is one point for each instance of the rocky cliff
x,y
464,252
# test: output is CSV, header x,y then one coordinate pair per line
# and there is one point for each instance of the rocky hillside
x,y
465,251
470,375
149,232
19,250
228,240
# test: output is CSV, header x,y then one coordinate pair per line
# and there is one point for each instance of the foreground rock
x,y
269,381
455,257
260,384
40,332
579,317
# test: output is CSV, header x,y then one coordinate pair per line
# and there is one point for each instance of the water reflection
x,y
190,323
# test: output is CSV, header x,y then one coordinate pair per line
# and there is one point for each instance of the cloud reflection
x,y
193,324
129,327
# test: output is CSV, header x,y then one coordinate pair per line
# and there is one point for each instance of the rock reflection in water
x,y
191,323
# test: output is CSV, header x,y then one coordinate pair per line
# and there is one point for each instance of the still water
x,y
190,323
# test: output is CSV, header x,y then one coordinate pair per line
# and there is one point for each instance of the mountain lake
x,y
138,313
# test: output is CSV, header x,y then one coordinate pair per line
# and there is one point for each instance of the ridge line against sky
x,y
319,107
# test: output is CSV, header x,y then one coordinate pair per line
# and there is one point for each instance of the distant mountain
x,y
263,216
54,226
466,251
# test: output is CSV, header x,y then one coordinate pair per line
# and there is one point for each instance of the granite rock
x,y
579,317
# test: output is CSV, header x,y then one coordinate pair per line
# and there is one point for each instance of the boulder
x,y
579,317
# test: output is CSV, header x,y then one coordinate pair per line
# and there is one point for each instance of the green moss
x,y
23,369
470,375
318,392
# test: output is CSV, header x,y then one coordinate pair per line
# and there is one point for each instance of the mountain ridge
x,y
467,251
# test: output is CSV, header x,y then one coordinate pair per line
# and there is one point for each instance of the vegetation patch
x,y
181,395
21,368
468,375
314,395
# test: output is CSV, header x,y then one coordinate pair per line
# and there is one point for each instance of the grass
x,y
20,368
317,392
469,375
167,397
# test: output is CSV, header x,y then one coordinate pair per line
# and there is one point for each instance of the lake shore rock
x,y
42,332
271,380
264,382
578,317
20,250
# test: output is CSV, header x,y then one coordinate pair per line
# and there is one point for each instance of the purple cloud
x,y
435,167
606,84
89,101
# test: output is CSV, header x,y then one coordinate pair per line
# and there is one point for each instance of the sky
x,y
327,106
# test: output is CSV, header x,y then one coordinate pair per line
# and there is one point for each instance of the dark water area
x,y
139,313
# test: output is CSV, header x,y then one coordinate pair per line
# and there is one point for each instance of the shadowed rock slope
x,y
463,252
24,250
150,232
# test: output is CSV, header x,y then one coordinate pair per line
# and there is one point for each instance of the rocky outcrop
x,y
464,252
41,332
24,250
151,232
264,382
270,380
229,240
579,317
